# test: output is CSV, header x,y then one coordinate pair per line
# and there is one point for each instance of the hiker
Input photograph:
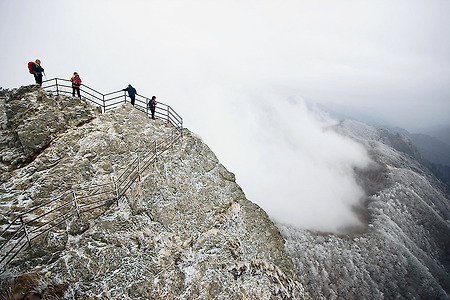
x,y
152,105
131,93
76,83
37,71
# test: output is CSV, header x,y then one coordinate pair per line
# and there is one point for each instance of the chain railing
x,y
25,228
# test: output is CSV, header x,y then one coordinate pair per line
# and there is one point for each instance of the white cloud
x,y
288,159
229,68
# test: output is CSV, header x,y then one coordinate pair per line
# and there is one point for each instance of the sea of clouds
x,y
286,156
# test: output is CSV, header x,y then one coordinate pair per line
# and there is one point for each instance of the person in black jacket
x,y
37,71
152,105
131,93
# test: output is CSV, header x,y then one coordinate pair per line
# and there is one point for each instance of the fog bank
x,y
286,157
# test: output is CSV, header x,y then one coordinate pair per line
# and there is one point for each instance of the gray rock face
x,y
30,120
184,231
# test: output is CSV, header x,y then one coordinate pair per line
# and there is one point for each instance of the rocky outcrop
x,y
184,231
30,119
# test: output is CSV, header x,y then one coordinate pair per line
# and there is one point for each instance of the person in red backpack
x,y
76,83
37,71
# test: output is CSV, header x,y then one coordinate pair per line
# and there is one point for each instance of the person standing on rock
x,y
152,105
131,93
76,83
37,71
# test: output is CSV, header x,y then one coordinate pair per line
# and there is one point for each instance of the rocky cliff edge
x,y
184,231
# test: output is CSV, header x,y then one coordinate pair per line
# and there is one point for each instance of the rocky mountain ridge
x,y
403,253
185,230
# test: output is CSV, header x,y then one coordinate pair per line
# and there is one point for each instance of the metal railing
x,y
59,86
29,226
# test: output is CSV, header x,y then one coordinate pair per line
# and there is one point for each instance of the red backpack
x,y
77,80
30,67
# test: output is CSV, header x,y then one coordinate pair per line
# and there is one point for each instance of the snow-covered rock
x,y
404,252
185,230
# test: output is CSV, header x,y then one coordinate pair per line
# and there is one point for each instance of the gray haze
x,y
240,72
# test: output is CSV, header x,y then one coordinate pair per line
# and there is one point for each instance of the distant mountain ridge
x,y
434,153
403,253
432,149
433,144
442,133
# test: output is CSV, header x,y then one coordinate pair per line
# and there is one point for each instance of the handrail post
x,y
57,90
117,192
181,128
76,203
24,225
104,104
139,167
168,118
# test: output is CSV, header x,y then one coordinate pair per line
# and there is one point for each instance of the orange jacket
x,y
74,81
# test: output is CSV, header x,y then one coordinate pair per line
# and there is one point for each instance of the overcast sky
x,y
240,72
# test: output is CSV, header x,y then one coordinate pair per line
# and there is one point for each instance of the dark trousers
x,y
38,78
132,100
153,112
76,88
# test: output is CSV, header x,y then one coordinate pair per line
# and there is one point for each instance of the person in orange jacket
x,y
76,83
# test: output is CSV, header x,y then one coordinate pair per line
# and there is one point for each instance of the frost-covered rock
x,y
185,230
404,252
30,119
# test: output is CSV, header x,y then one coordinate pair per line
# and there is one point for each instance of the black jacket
x,y
37,69
152,104
131,91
